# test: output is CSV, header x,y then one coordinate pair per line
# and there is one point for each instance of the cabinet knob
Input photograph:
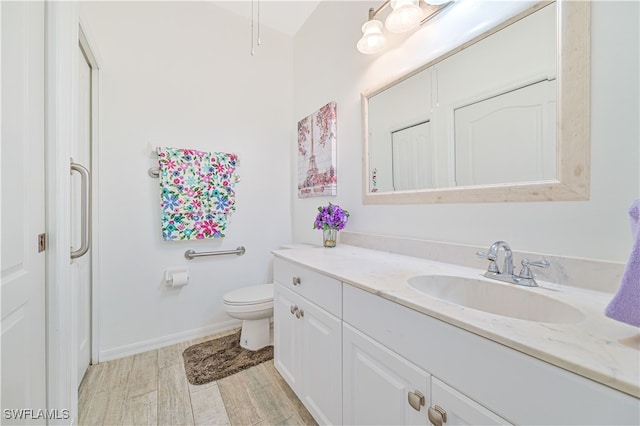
x,y
296,280
299,313
437,415
293,309
416,400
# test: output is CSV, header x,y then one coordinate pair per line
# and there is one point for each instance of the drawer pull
x,y
293,309
299,313
437,415
296,280
416,400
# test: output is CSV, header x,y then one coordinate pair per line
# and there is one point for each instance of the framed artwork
x,y
317,138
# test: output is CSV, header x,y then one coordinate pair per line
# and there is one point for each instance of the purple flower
x,y
331,217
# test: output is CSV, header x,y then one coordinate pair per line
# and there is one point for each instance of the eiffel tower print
x,y
317,137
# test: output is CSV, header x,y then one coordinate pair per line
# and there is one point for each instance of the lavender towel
x,y
625,306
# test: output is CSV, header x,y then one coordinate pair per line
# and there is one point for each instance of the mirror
x,y
493,120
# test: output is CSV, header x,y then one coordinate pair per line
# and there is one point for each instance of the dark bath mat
x,y
219,358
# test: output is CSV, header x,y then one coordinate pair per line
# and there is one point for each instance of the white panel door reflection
x,y
412,157
507,138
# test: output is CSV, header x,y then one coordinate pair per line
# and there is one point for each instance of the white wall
x,y
180,74
328,67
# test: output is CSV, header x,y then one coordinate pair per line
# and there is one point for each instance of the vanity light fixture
x,y
372,41
406,15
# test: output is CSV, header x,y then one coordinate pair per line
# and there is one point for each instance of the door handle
x,y
85,215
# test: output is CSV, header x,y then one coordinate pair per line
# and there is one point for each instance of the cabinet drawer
x,y
323,291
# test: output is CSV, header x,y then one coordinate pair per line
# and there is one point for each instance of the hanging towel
x,y
625,306
197,192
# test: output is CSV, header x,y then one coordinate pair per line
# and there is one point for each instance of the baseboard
x,y
171,339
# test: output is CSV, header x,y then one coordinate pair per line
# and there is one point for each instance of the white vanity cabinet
x,y
354,357
308,338
383,388
485,382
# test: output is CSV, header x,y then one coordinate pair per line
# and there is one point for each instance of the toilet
x,y
254,306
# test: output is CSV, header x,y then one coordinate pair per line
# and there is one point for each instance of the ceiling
x,y
284,16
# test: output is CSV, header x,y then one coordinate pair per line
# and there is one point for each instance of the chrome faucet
x,y
525,277
508,256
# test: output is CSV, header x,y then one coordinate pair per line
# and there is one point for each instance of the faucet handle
x,y
493,268
526,263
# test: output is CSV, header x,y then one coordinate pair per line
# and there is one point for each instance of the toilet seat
x,y
249,296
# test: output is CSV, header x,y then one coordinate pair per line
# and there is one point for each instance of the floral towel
x,y
197,191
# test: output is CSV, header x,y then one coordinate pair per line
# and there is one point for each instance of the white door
x,y
378,384
321,363
22,280
507,138
285,335
81,267
412,157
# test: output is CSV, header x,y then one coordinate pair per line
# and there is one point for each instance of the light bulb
x,y
406,16
373,40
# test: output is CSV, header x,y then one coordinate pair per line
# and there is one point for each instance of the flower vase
x,y
330,237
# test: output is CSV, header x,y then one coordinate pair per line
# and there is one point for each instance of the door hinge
x,y
42,242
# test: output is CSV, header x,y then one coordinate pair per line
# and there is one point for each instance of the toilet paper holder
x,y
176,277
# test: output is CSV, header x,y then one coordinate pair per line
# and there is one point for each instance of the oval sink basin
x,y
496,298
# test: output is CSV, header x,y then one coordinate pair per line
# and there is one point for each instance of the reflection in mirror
x,y
482,123
502,93
400,134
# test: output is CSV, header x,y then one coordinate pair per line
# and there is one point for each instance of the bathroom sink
x,y
497,298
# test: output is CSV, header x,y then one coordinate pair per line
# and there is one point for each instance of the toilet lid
x,y
250,295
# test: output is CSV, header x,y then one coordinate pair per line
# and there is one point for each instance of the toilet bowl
x,y
254,306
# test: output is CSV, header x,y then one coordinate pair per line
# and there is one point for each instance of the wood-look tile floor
x,y
151,388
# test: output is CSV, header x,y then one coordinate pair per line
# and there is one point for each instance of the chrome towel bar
x,y
154,172
192,254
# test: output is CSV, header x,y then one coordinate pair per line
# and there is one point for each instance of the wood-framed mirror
x,y
519,131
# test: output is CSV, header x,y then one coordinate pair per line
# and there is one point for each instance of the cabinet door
x,y
377,383
321,363
285,335
459,409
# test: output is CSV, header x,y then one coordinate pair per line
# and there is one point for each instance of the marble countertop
x,y
597,347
